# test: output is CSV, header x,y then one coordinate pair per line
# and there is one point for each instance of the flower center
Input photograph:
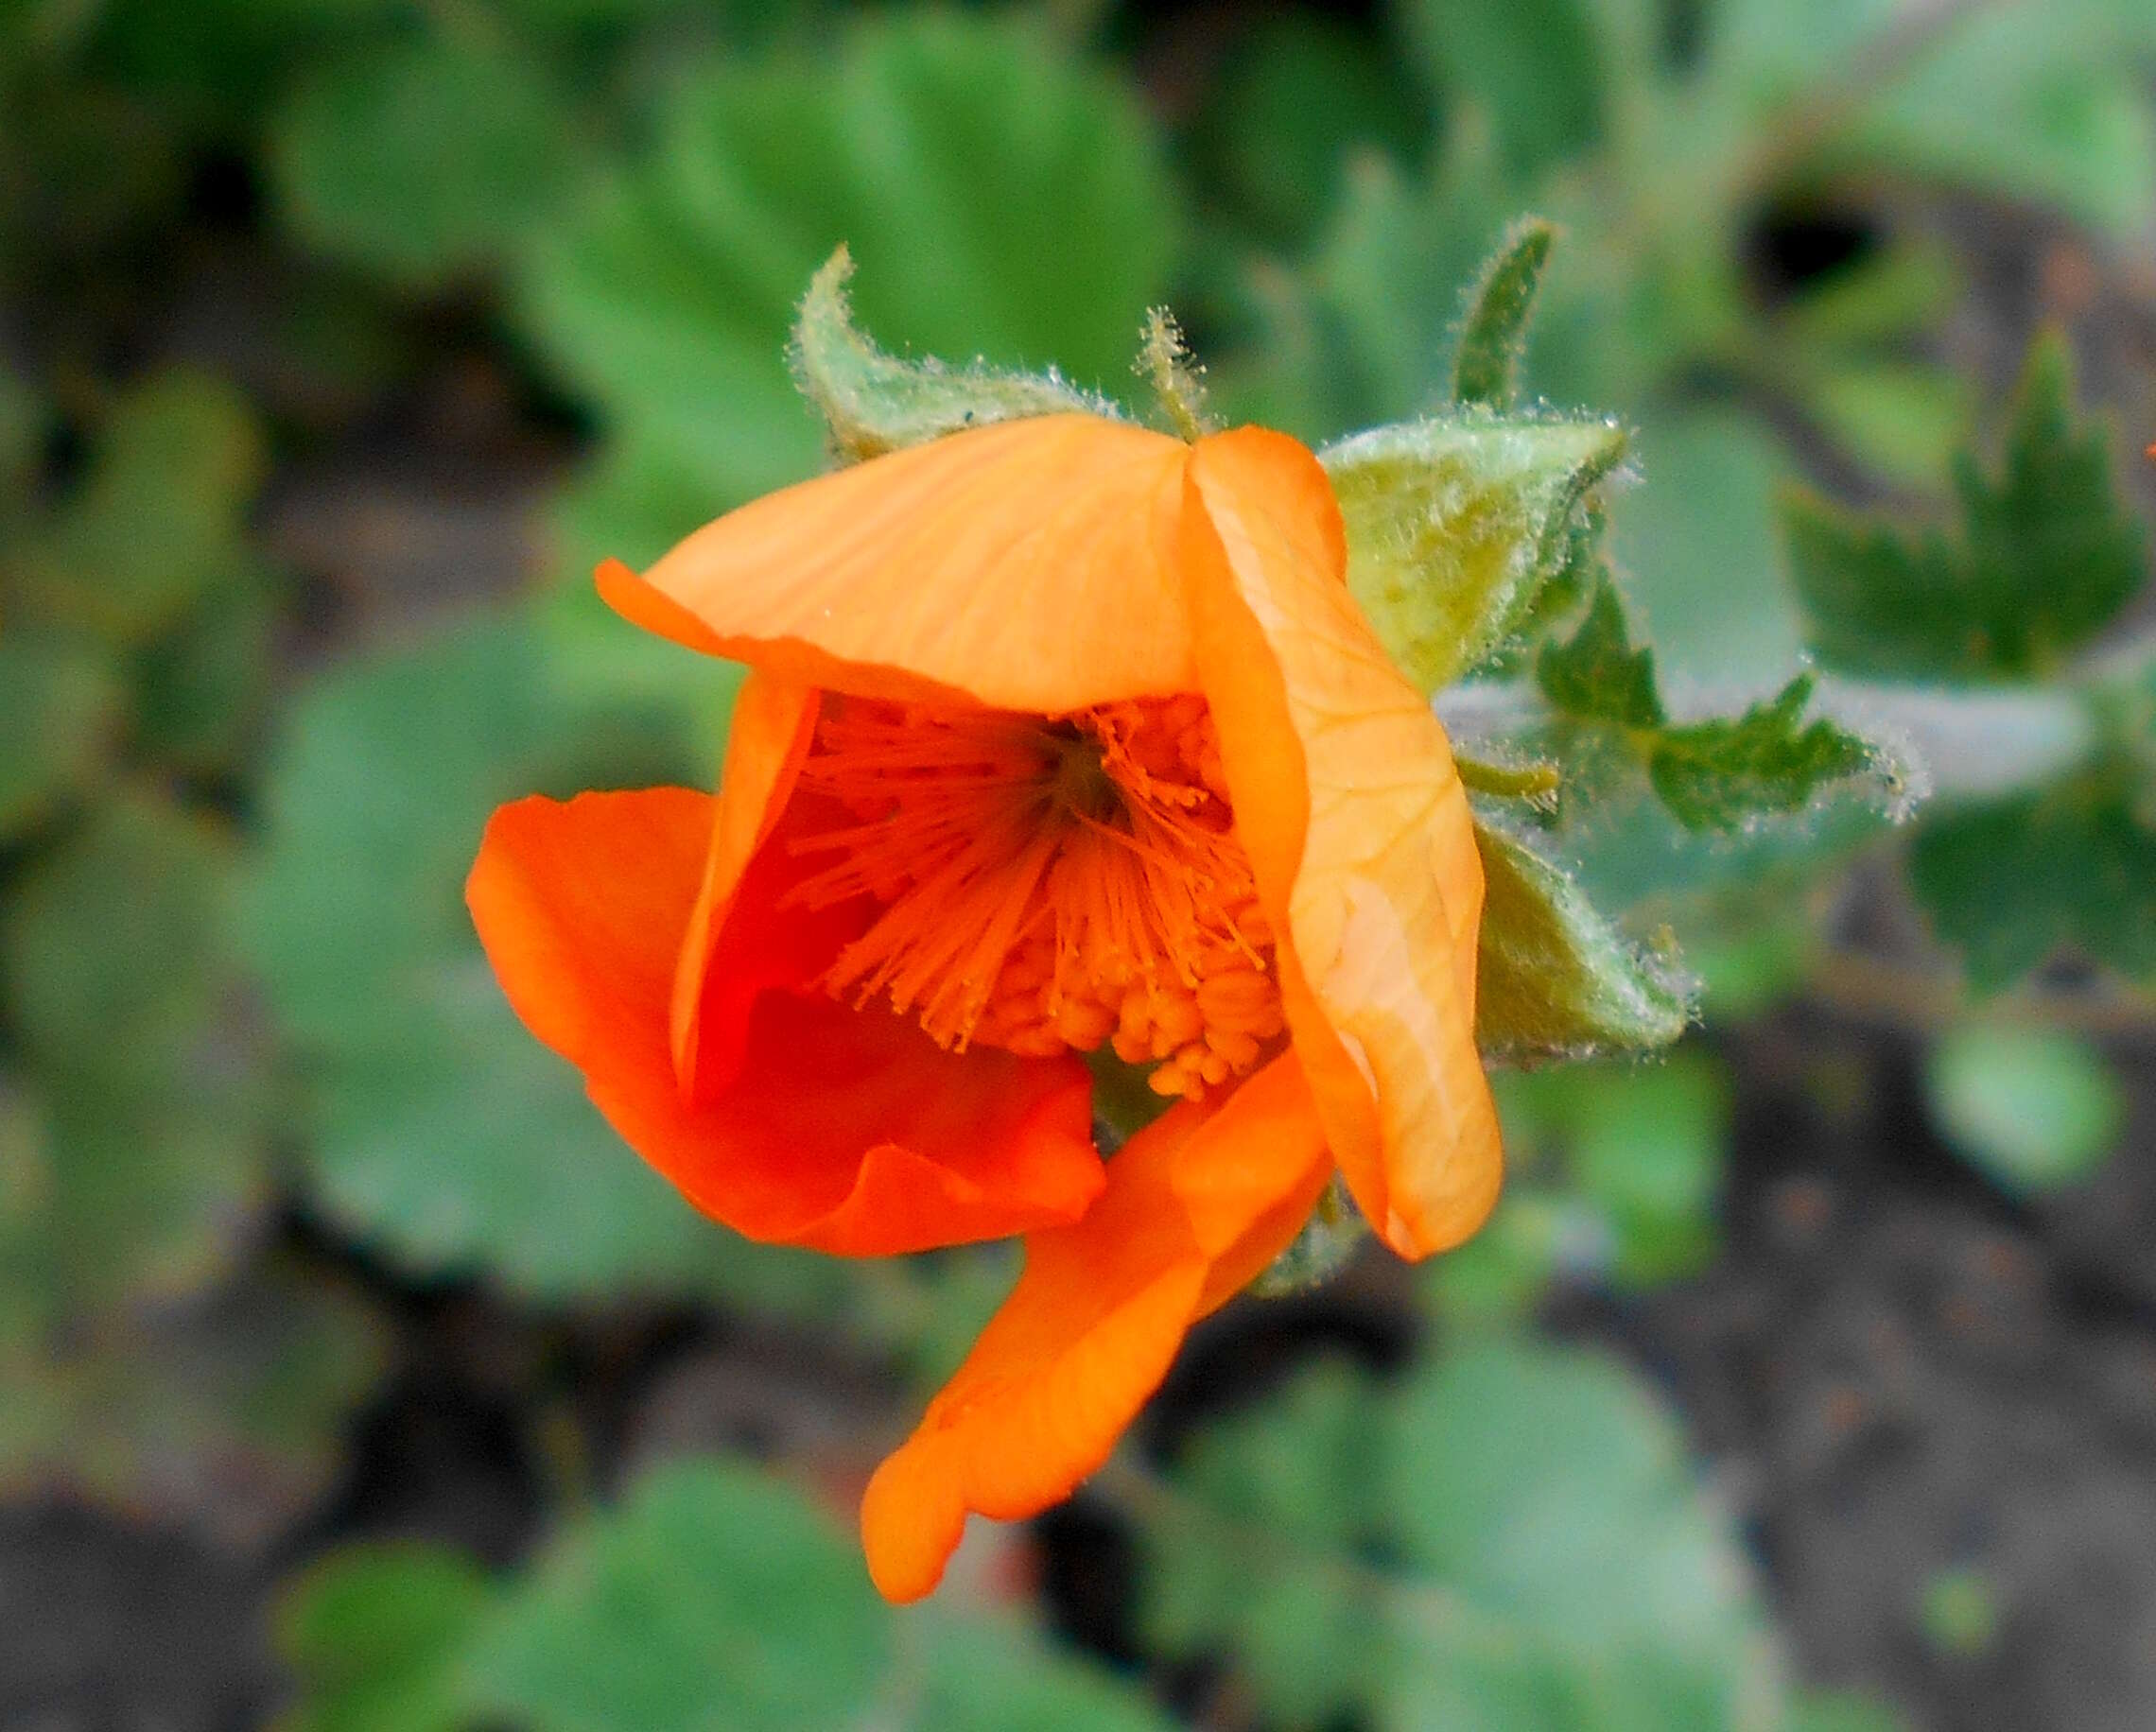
x,y
1045,884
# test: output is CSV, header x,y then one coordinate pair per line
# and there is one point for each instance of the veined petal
x,y
1359,833
1196,1203
1031,566
846,1130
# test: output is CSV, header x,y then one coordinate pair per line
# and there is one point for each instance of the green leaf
x,y
442,1131
160,522
1903,420
1456,524
113,946
2044,558
712,1595
1719,774
707,1600
2010,883
1617,1175
1361,335
201,687
1714,774
872,402
1536,68
2035,1108
373,1632
60,706
986,1675
1554,978
1648,1148
1001,201
1297,95
1598,675
1493,336
1504,1273
2037,104
137,1134
1509,1539
423,159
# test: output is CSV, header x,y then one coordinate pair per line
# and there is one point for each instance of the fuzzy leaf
x,y
1716,774
1555,979
2044,557
1597,675
1713,774
1455,524
1493,336
872,402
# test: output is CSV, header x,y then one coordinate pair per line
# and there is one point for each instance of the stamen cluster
x,y
1045,884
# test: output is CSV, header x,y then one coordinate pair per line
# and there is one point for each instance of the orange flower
x,y
1061,735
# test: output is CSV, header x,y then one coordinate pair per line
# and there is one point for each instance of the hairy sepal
x,y
1455,523
872,402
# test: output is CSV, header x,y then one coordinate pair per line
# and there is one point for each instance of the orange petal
x,y
1095,1320
773,723
1360,837
1030,564
850,1131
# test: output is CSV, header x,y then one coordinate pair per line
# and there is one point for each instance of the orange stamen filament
x,y
1045,884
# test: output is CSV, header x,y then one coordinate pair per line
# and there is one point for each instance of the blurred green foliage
x,y
1509,1537
235,976
711,1597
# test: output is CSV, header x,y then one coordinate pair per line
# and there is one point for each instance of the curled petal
x,y
1031,566
1196,1204
773,720
843,1130
1360,837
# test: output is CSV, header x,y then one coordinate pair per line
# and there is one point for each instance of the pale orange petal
x,y
846,1130
1359,832
1095,1320
1031,566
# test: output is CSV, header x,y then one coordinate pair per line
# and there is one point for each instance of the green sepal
x,y
1328,1240
872,402
2044,557
1493,334
1555,979
1455,523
